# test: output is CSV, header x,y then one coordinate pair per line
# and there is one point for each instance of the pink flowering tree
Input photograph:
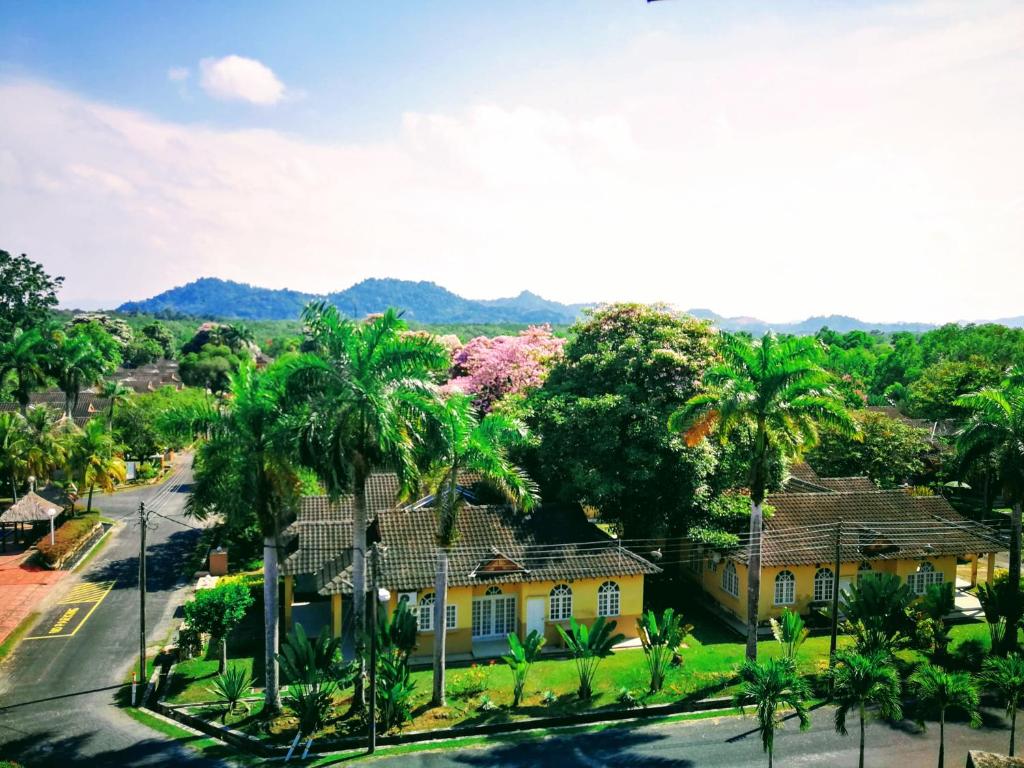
x,y
489,369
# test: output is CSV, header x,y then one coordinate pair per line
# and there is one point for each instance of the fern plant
x,y
588,646
661,640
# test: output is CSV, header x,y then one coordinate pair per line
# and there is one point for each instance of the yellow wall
x,y
584,604
711,582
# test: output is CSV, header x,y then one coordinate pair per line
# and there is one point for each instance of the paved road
x,y
727,742
57,693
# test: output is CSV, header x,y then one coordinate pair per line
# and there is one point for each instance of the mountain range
x,y
427,302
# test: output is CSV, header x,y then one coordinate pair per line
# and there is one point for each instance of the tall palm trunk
x,y
942,738
771,751
88,506
222,665
1013,727
272,692
359,576
440,626
1010,638
753,578
860,762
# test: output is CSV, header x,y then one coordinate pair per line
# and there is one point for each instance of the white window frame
x,y
824,584
426,606
608,599
924,577
785,588
730,579
560,603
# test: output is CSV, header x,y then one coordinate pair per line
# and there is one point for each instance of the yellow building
x,y
508,572
917,538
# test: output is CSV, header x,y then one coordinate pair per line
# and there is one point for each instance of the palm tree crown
x,y
773,685
22,357
96,459
859,682
1005,675
941,691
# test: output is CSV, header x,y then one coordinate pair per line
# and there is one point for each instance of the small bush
x,y
627,699
469,683
971,654
146,471
232,686
68,536
549,698
486,705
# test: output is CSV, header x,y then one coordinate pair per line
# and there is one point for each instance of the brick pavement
x,y
22,588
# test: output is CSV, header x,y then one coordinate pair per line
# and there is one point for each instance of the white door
x,y
535,615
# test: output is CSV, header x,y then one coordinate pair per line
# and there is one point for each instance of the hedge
x,y
67,537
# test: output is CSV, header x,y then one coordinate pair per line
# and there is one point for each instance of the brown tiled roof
x,y
875,524
803,479
847,484
497,545
803,471
319,541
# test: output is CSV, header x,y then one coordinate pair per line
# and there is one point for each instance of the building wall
x,y
584,609
711,580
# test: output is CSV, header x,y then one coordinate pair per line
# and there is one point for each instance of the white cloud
x,y
870,166
236,78
178,74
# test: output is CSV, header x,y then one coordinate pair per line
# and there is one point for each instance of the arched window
x,y
560,603
730,581
493,591
864,569
926,576
824,583
425,615
785,588
608,599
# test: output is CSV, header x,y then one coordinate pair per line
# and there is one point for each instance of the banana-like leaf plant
x,y
661,640
520,657
587,646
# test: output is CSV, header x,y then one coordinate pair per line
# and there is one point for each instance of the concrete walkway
x,y
22,588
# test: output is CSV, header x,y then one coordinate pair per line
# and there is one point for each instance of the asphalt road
x,y
727,742
57,693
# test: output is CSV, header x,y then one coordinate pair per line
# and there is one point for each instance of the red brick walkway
x,y
22,588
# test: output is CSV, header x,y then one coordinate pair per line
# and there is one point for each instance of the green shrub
x,y
661,640
549,698
217,611
627,699
587,646
468,683
521,655
66,537
394,692
232,686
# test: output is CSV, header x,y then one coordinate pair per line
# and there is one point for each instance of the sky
x,y
776,160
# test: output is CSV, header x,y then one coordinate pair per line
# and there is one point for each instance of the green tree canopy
x,y
27,294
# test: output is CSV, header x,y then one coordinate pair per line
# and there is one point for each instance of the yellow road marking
x,y
86,592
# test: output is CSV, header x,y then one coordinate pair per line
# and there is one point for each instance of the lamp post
x,y
52,514
380,595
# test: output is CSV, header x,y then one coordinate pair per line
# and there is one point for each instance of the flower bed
x,y
68,539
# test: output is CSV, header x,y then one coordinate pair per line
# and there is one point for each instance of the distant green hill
x,y
423,302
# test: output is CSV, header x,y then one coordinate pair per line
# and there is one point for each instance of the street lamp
x,y
52,514
32,483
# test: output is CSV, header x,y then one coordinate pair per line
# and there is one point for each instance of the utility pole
x,y
835,594
143,524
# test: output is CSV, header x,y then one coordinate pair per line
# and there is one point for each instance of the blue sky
x,y
827,156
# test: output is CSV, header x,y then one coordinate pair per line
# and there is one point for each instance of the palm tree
x,y
995,432
778,392
879,610
859,682
76,363
95,456
364,392
117,393
22,355
1005,675
941,691
49,438
461,442
245,472
773,685
13,448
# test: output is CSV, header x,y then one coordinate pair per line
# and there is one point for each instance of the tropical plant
x,y
997,604
49,441
1005,676
362,392
789,631
76,363
27,293
245,474
939,692
314,675
217,611
22,357
661,639
773,685
117,393
96,460
396,636
994,434
394,691
520,657
458,442
778,391
878,611
588,646
859,682
935,604
231,686
13,449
